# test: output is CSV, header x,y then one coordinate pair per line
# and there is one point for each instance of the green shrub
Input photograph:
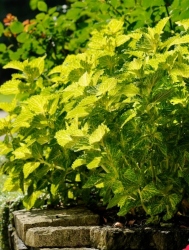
x,y
114,117
57,34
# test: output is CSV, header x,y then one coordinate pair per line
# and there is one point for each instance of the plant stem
x,y
153,172
167,11
142,202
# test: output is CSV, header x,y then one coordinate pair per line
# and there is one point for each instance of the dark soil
x,y
109,217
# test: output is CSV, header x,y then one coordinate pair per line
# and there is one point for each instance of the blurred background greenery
x,y
22,9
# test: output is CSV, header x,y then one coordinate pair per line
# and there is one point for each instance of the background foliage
x,y
66,28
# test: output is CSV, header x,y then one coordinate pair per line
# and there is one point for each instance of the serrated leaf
x,y
10,185
38,63
160,26
22,153
127,116
149,191
57,69
22,120
78,162
121,39
162,95
85,79
115,25
71,135
87,101
95,163
179,40
98,134
78,111
29,201
174,200
54,189
117,187
130,90
92,181
156,207
10,87
63,137
100,185
184,23
14,65
136,64
54,106
128,205
30,167
8,107
106,85
37,104
131,175
115,200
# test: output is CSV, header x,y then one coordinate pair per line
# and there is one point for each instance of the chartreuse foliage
x,y
59,31
114,118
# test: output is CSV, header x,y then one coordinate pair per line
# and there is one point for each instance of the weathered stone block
x,y
108,238
18,244
78,216
83,248
58,237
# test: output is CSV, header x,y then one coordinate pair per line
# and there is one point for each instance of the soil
x,y
109,217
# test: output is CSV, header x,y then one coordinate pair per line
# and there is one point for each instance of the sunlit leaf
x,y
98,134
29,167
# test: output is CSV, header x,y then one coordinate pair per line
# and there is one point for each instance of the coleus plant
x,y
59,31
114,117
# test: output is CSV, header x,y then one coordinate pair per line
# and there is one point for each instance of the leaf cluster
x,y
59,31
113,119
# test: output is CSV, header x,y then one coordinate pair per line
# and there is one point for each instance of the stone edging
x,y
78,229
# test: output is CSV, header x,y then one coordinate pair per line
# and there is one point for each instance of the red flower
x,y
187,248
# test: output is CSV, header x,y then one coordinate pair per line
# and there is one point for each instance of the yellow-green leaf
x,y
29,201
37,104
184,23
78,162
77,112
115,25
130,90
98,134
10,184
38,63
121,39
54,106
95,163
29,167
63,137
78,178
107,85
161,24
8,107
14,65
70,194
10,87
22,152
